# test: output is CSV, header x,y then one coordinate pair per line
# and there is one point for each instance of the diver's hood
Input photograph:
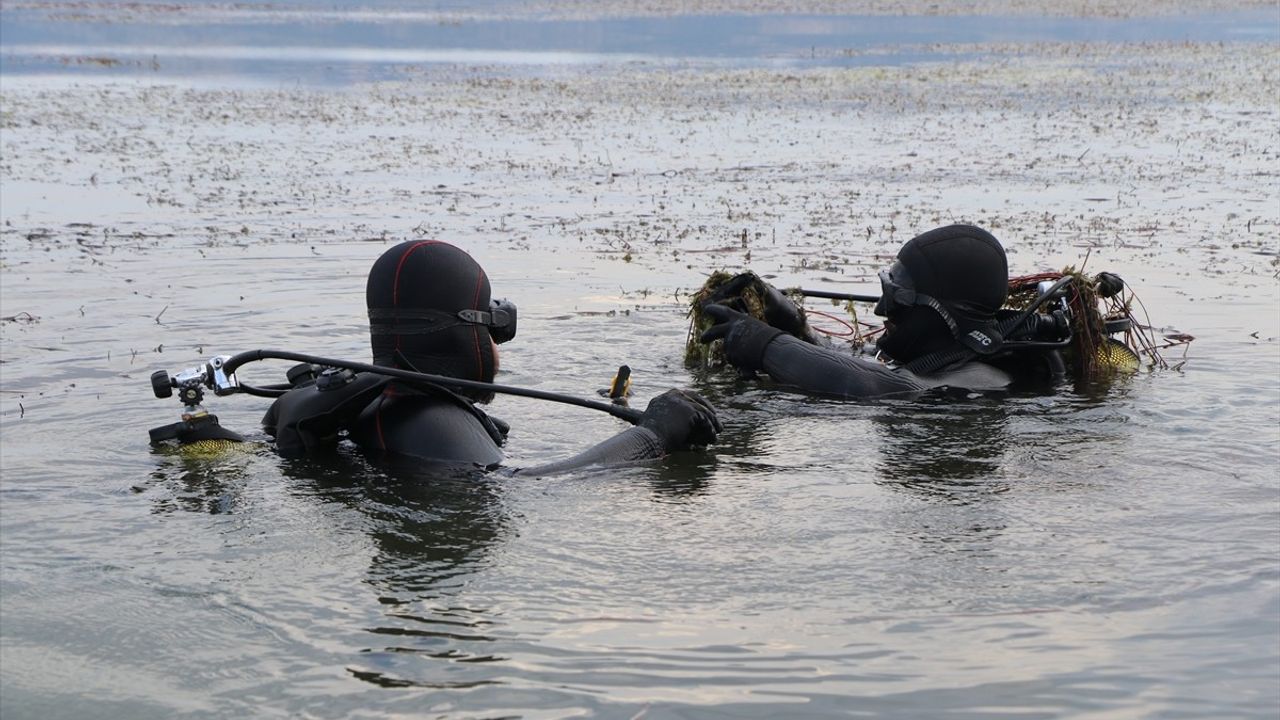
x,y
963,267
424,298
946,283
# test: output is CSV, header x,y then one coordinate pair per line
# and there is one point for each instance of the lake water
x,y
1106,552
352,42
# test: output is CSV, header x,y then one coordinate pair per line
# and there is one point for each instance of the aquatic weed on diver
x,y
1101,307
748,294
747,297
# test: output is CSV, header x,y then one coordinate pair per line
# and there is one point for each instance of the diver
x,y
940,301
430,311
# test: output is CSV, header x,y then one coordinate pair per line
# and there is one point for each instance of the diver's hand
x,y
731,291
745,338
681,418
780,311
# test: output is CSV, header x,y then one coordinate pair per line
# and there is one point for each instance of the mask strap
x,y
928,300
395,321
496,318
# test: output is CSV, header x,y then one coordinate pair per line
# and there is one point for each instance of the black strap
x,y
476,317
381,315
935,361
979,342
939,308
395,321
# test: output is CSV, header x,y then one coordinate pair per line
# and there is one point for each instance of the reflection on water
x,y
683,478
200,482
432,528
942,447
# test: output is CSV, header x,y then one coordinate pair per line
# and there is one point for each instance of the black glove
x,y
681,418
780,311
745,338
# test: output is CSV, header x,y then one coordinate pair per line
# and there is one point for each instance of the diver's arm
x,y
750,344
815,369
631,445
673,421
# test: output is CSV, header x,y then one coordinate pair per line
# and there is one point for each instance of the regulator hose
x,y
631,415
834,295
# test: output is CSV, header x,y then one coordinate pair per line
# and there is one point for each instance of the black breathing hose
x,y
631,415
1035,304
834,295
267,391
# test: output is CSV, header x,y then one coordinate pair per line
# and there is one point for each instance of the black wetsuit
x,y
817,369
430,423
430,308
434,428
941,300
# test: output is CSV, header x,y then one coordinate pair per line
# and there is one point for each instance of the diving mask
x,y
897,291
500,319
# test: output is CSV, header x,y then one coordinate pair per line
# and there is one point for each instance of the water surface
x,y
1088,552
356,43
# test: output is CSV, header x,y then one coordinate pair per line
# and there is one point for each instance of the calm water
x,y
352,42
1089,553
1080,554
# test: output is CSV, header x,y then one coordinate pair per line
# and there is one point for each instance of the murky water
x,y
1105,552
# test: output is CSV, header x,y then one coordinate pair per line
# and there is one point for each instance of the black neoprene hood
x,y
963,267
414,294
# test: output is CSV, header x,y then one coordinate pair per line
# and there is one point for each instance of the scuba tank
x,y
197,428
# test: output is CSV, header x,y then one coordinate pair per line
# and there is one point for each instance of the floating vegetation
x,y
22,318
